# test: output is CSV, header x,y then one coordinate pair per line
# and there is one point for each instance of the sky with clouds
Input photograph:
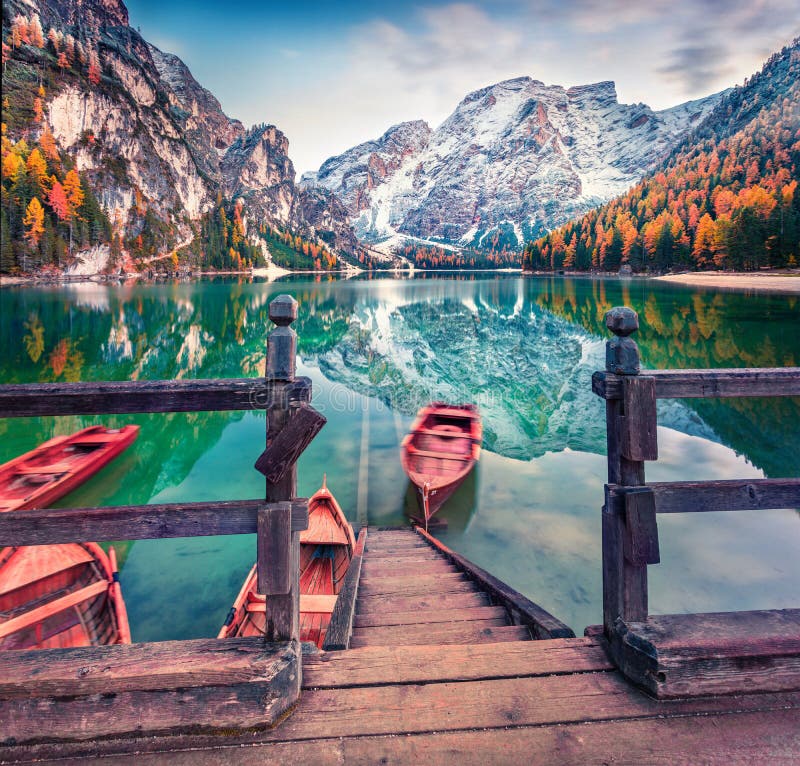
x,y
333,74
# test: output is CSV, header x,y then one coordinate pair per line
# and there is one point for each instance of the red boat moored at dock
x,y
442,448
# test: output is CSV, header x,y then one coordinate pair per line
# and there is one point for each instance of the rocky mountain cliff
x,y
154,145
516,158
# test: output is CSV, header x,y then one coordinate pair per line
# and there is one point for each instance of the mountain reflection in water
x,y
522,348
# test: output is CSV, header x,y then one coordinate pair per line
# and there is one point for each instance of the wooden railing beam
x,y
126,397
723,495
624,582
48,526
699,384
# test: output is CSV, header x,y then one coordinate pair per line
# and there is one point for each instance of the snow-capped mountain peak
x,y
518,157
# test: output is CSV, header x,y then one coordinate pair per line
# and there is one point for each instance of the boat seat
x,y
437,432
457,413
440,455
320,603
34,616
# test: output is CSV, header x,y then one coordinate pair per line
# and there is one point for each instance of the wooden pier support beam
x,y
631,439
282,603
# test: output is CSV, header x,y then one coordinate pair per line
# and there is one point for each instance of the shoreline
x,y
781,281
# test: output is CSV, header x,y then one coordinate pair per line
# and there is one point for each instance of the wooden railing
x,y
630,531
277,521
629,519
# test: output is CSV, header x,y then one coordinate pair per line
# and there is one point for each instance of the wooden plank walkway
x,y
465,696
410,594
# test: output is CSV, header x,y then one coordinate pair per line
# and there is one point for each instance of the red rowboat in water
x,y
52,470
54,596
68,594
326,548
441,450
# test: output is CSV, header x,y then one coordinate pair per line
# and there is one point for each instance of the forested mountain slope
x,y
725,198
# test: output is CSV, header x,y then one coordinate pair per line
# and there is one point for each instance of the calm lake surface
x,y
524,349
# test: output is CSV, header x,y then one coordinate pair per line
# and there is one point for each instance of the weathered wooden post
x,y
278,548
630,538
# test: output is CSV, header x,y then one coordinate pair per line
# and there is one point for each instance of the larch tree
x,y
35,31
48,145
57,199
36,166
34,221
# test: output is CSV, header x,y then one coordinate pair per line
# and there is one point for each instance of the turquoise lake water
x,y
523,348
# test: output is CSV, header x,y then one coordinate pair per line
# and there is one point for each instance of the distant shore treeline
x,y
726,199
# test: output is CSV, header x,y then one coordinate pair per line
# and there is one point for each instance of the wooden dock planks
x,y
444,677
410,594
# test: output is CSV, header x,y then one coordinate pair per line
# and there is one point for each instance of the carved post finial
x,y
622,353
282,341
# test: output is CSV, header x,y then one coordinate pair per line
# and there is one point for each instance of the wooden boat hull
x,y
326,549
55,468
440,451
58,596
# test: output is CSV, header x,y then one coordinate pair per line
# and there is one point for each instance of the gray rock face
x,y
513,159
150,137
207,128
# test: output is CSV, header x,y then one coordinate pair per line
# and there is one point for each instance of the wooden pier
x,y
428,658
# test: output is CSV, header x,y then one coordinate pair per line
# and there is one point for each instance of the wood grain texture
x,y
125,397
540,700
408,586
341,625
722,383
430,635
639,432
423,616
714,653
257,700
726,740
640,542
719,495
283,610
139,522
409,664
135,667
465,599
372,568
541,623
273,550
303,424
738,739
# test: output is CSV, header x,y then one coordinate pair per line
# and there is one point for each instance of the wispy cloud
x,y
331,91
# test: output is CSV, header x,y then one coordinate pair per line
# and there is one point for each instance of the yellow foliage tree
x,y
73,191
36,165
34,221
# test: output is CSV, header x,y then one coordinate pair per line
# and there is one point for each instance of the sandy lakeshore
x,y
784,283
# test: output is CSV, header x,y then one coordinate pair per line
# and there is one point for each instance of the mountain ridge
x,y
153,144
517,156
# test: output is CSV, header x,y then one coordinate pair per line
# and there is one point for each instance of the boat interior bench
x,y
687,655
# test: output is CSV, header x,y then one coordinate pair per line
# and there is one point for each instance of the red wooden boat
x,y
439,452
326,548
68,594
54,596
52,470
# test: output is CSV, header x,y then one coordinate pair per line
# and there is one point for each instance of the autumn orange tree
x,y
727,198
